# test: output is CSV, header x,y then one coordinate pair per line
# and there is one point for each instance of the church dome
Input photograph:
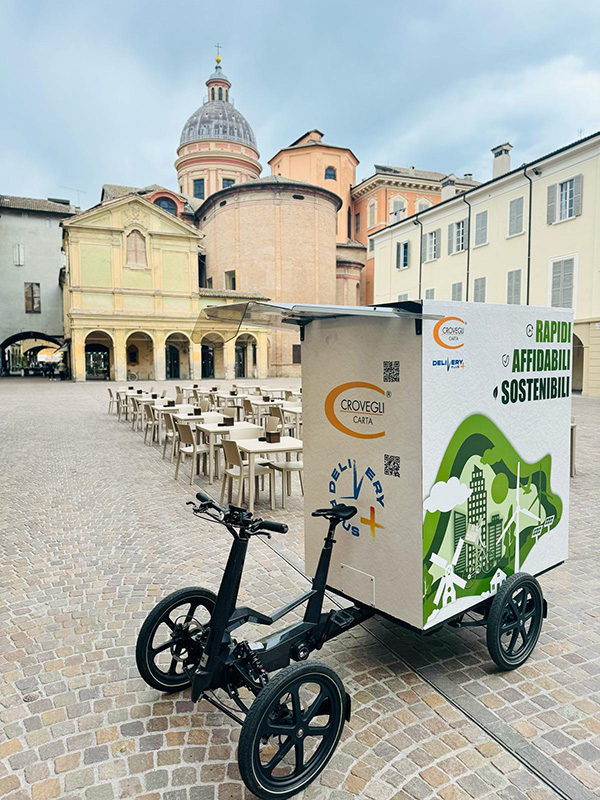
x,y
218,119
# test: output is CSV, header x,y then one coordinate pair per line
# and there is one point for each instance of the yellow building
x,y
132,297
530,235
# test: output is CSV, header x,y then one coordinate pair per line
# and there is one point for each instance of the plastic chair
x,y
249,415
170,435
163,393
112,402
287,468
136,414
272,424
151,422
237,469
188,446
178,396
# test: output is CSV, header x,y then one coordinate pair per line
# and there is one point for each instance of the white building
x,y
30,259
530,235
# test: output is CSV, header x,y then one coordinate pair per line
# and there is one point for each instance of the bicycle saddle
x,y
341,511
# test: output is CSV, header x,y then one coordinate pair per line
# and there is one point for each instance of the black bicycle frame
x,y
297,641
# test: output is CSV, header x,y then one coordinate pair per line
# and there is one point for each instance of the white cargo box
x,y
449,430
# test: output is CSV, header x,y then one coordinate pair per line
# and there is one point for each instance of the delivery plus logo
x,y
357,409
351,483
449,332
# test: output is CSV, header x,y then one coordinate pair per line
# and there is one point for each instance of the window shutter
x,y
577,187
479,290
567,283
556,283
438,242
457,291
398,254
467,226
406,256
513,289
423,247
551,205
515,212
450,238
16,255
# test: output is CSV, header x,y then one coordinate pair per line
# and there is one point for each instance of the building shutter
x,y
551,205
438,243
562,283
466,240
457,291
515,216
577,188
556,284
513,287
398,255
423,247
405,254
479,290
450,238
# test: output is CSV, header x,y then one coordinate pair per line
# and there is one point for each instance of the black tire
x,y
182,604
515,620
269,719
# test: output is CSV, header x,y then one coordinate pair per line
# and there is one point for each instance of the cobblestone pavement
x,y
94,531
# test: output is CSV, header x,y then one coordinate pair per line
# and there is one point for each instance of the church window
x,y
226,94
136,249
199,188
227,182
166,204
212,93
356,223
330,174
220,93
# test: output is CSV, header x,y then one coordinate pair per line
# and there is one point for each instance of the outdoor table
x,y
211,430
254,447
259,406
160,410
224,399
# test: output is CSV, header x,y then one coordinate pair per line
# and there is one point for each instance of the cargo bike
x,y
447,495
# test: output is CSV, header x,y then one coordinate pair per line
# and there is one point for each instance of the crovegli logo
x,y
364,411
449,332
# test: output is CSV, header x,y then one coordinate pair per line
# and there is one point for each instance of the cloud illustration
x,y
445,495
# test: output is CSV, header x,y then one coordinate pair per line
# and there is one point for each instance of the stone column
x,y
160,366
78,354
120,356
196,360
229,358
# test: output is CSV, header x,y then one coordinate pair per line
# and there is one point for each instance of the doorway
x,y
172,359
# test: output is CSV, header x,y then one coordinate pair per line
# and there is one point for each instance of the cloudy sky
x,y
94,93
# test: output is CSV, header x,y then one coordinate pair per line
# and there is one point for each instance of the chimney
x,y
448,187
468,176
501,159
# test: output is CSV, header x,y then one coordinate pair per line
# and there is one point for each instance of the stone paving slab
x,y
95,531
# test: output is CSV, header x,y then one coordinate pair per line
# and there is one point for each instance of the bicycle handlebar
x,y
236,517
275,527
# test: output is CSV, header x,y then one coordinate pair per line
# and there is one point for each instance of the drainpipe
x,y
528,233
468,247
417,221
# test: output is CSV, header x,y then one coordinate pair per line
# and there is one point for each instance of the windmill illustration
x,y
515,519
449,580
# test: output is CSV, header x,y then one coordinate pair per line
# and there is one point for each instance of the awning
x,y
227,319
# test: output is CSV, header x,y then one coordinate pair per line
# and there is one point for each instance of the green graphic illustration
x,y
487,509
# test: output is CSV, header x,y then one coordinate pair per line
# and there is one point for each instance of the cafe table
x,y
257,447
259,406
176,409
212,430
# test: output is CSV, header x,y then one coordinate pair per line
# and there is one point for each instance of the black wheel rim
x,y
297,733
173,649
520,623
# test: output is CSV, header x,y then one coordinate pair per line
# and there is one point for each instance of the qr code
x,y
391,465
391,371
